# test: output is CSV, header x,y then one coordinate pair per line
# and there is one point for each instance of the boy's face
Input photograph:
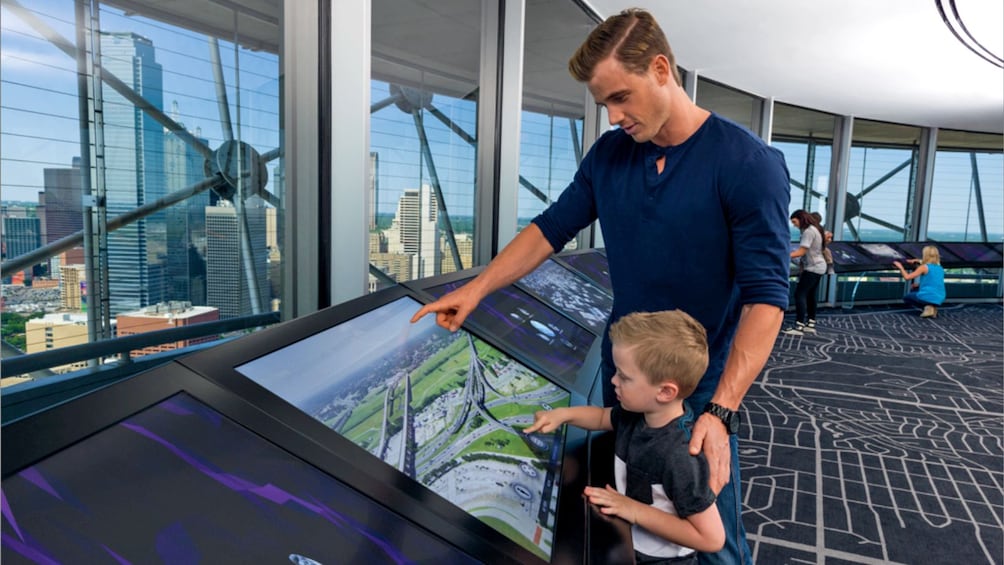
x,y
634,391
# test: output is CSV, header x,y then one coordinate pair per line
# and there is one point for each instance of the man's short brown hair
x,y
633,37
668,346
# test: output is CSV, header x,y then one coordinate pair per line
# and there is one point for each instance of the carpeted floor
x,y
879,440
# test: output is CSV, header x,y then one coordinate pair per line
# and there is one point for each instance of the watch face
x,y
733,423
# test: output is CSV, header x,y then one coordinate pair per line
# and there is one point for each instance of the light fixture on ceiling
x,y
959,30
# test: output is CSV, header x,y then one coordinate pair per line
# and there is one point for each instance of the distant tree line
x,y
13,328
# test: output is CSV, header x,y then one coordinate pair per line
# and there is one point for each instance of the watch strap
x,y
728,417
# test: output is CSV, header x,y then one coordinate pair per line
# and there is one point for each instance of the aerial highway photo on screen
x,y
446,409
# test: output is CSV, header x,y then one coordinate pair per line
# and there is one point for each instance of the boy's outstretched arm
x,y
586,417
702,531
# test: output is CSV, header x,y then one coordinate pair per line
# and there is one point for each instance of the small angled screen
x,y
594,265
525,324
567,292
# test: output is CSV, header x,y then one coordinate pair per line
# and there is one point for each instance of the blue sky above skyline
x,y
41,129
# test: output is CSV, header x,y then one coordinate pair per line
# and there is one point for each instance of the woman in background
x,y
929,291
813,267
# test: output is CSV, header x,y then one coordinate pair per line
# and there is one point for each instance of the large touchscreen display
x,y
179,482
446,409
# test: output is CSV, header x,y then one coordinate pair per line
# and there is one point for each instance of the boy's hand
x,y
613,503
545,421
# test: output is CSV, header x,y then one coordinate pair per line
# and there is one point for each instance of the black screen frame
x,y
219,365
580,384
36,437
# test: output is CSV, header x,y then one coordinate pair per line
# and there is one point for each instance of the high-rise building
x,y
20,236
271,228
61,208
72,287
186,220
415,232
372,190
134,173
465,246
396,265
163,316
227,270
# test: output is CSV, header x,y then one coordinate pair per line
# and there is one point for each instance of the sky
x,y
39,92
336,353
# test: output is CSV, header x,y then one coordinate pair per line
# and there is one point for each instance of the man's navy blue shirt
x,y
707,235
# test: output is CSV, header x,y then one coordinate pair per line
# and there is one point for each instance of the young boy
x,y
662,490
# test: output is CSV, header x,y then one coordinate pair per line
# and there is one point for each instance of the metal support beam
x,y
511,106
843,130
488,134
923,189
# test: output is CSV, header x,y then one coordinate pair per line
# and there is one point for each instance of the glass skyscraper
x,y
186,221
134,173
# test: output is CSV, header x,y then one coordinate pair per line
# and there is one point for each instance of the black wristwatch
x,y
728,417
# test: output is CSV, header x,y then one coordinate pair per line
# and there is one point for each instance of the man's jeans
x,y
736,550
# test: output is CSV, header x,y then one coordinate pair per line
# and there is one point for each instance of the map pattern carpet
x,y
879,440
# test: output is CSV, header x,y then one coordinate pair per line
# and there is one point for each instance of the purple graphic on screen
x,y
594,265
181,481
974,252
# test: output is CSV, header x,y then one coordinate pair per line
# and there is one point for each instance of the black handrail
x,y
22,364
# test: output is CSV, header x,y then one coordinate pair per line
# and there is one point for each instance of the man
x,y
694,214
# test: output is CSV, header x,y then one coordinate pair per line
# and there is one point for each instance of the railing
x,y
24,398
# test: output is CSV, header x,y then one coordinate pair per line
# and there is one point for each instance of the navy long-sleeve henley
x,y
707,235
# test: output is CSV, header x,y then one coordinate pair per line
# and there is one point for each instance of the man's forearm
x,y
751,347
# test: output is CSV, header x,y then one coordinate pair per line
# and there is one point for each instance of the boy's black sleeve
x,y
686,479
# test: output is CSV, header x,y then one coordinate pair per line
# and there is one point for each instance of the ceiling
x,y
888,60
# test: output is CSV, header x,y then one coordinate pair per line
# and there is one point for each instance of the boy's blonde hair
x,y
668,346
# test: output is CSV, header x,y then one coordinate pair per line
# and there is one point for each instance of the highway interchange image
x,y
446,409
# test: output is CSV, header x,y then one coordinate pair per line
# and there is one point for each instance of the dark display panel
x,y
974,252
445,409
180,482
522,323
567,292
884,253
850,256
915,250
847,256
592,264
